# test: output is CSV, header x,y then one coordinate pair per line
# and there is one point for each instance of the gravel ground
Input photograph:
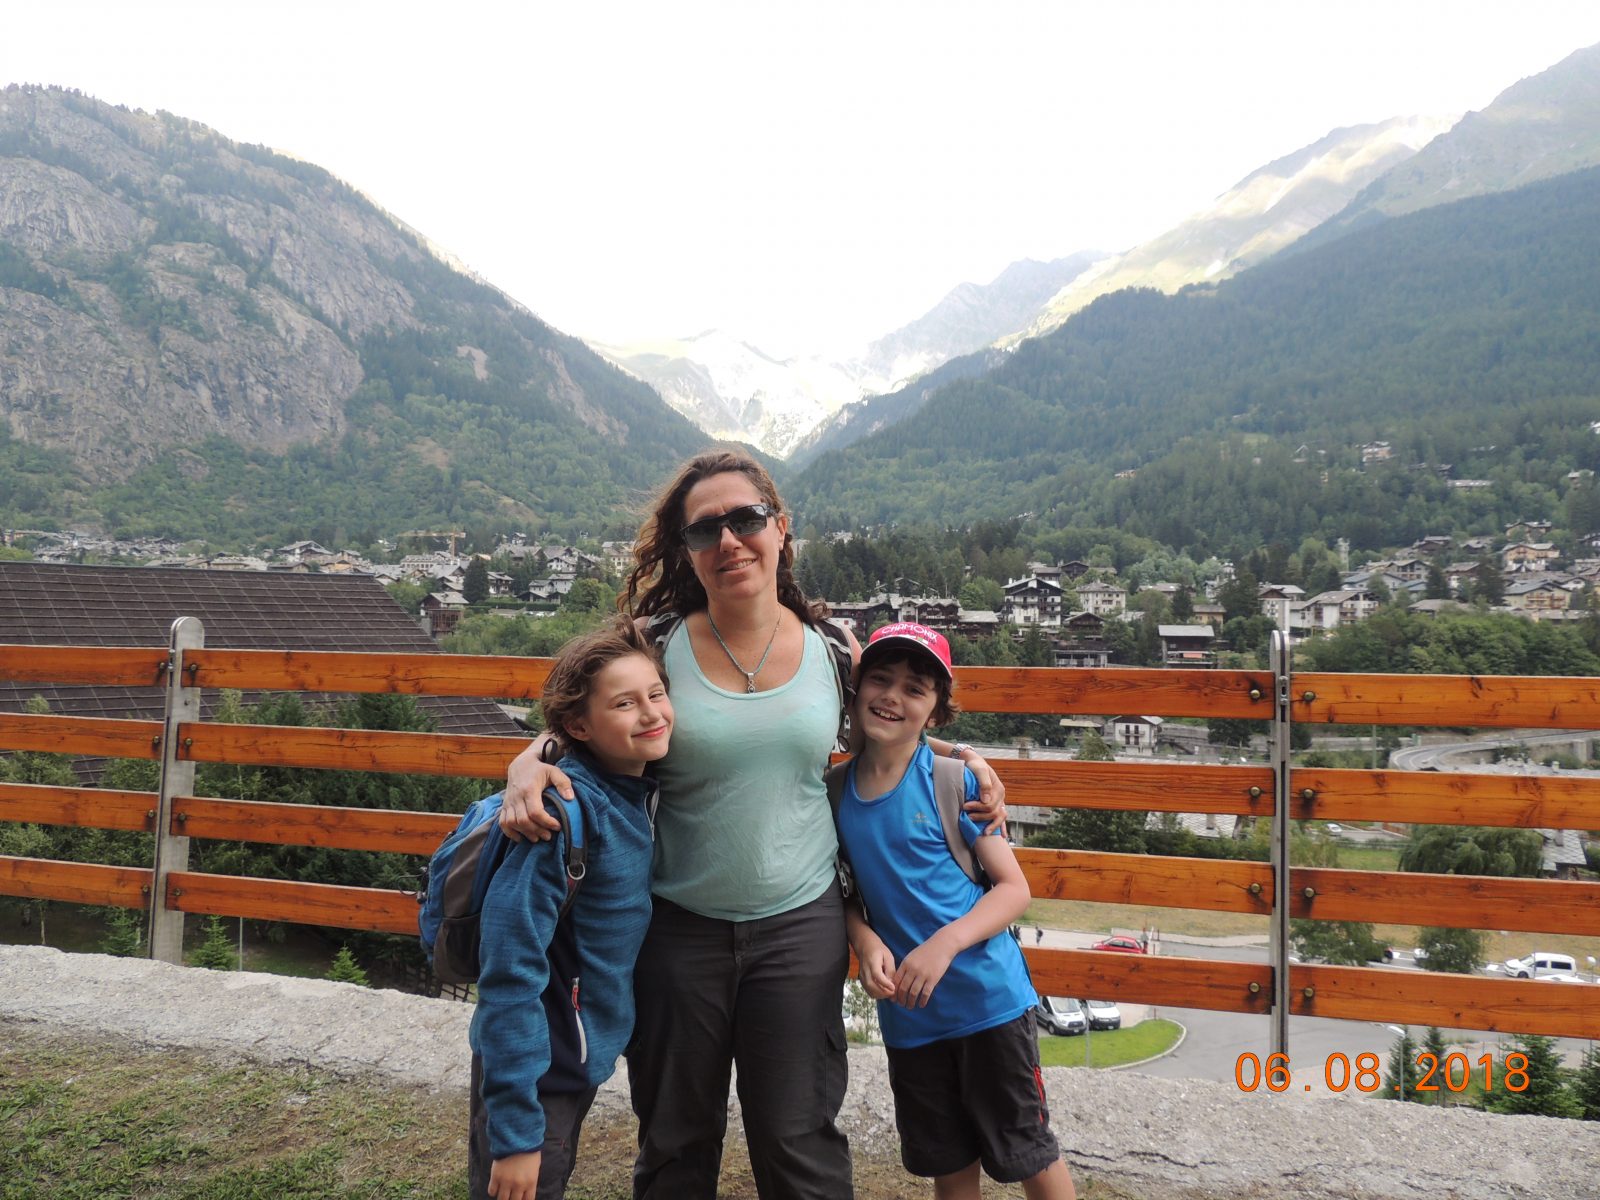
x,y
1174,1139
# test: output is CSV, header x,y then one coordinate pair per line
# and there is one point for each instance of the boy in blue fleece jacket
x,y
537,1063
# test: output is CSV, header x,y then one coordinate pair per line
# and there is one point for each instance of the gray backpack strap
x,y
838,644
658,628
833,777
949,794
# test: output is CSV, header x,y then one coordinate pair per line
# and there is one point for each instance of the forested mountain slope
x,y
209,339
1466,334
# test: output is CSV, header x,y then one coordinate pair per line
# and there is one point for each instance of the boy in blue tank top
x,y
955,1001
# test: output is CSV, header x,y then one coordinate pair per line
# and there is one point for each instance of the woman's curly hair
x,y
663,578
566,690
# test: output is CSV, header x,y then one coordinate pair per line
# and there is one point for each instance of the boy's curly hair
x,y
566,690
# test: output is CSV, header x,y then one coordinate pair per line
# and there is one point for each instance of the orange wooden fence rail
x,y
1162,786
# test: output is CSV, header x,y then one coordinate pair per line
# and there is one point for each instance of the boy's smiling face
x,y
894,701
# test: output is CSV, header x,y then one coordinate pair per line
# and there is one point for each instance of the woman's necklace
x,y
749,676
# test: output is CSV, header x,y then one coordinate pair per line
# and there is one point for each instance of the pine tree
x,y
1433,1043
1586,1084
124,936
216,953
475,587
1400,1080
1547,1093
345,969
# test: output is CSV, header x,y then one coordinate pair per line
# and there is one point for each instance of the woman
x,y
746,955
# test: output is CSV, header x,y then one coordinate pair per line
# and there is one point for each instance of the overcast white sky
x,y
806,175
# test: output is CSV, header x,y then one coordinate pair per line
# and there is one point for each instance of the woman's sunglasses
x,y
745,521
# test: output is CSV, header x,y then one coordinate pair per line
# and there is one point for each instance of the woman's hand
x,y
522,812
989,809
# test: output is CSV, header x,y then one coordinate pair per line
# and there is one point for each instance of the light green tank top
x,y
744,829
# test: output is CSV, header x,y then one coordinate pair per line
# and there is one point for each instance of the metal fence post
x,y
1278,747
177,779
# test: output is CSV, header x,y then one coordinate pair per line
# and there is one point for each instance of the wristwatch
x,y
959,749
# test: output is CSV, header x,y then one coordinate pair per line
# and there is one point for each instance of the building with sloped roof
x,y
51,604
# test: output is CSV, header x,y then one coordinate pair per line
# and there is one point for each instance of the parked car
x,y
1334,828
1543,964
1062,1016
1103,1014
1122,945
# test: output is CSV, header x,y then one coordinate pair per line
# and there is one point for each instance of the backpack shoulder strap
x,y
949,794
833,777
576,861
838,643
659,626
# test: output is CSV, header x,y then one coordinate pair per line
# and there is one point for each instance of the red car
x,y
1122,945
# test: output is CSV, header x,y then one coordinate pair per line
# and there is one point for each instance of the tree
x,y
475,587
1433,1043
1183,605
1400,1080
1547,1093
217,952
1489,586
588,596
1092,829
124,936
981,594
1233,731
1349,943
1586,1084
1438,587
1094,748
345,969
1454,951
1472,850
408,596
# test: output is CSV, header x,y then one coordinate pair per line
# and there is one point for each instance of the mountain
x,y
1541,127
736,391
1467,335
209,339
1261,214
972,317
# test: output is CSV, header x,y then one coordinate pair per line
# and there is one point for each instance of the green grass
x,y
1111,1047
84,1118
98,1120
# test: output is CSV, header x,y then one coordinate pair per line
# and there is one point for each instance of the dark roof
x,y
60,605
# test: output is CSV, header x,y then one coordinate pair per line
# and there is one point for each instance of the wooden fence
x,y
1275,791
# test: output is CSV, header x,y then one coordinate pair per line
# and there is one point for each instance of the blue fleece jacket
x,y
555,1004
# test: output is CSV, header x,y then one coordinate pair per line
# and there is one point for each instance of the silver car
x,y
1060,1016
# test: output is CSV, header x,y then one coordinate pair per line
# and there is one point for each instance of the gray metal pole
x,y
1279,744
177,779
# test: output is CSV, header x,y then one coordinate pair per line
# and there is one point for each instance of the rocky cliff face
x,y
162,287
196,292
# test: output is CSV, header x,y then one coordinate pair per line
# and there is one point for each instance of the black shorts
x,y
974,1098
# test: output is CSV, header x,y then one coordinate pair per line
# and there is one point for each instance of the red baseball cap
x,y
930,640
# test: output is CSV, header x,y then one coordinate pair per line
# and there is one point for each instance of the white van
x,y
1543,964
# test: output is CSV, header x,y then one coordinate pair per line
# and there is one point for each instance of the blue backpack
x,y
458,881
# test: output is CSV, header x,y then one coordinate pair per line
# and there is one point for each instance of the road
x,y
1215,1041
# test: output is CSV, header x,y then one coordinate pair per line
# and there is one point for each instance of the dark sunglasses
x,y
745,521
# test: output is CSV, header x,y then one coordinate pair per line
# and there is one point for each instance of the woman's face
x,y
734,567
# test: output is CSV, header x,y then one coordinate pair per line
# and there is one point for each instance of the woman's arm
x,y
989,809
522,812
